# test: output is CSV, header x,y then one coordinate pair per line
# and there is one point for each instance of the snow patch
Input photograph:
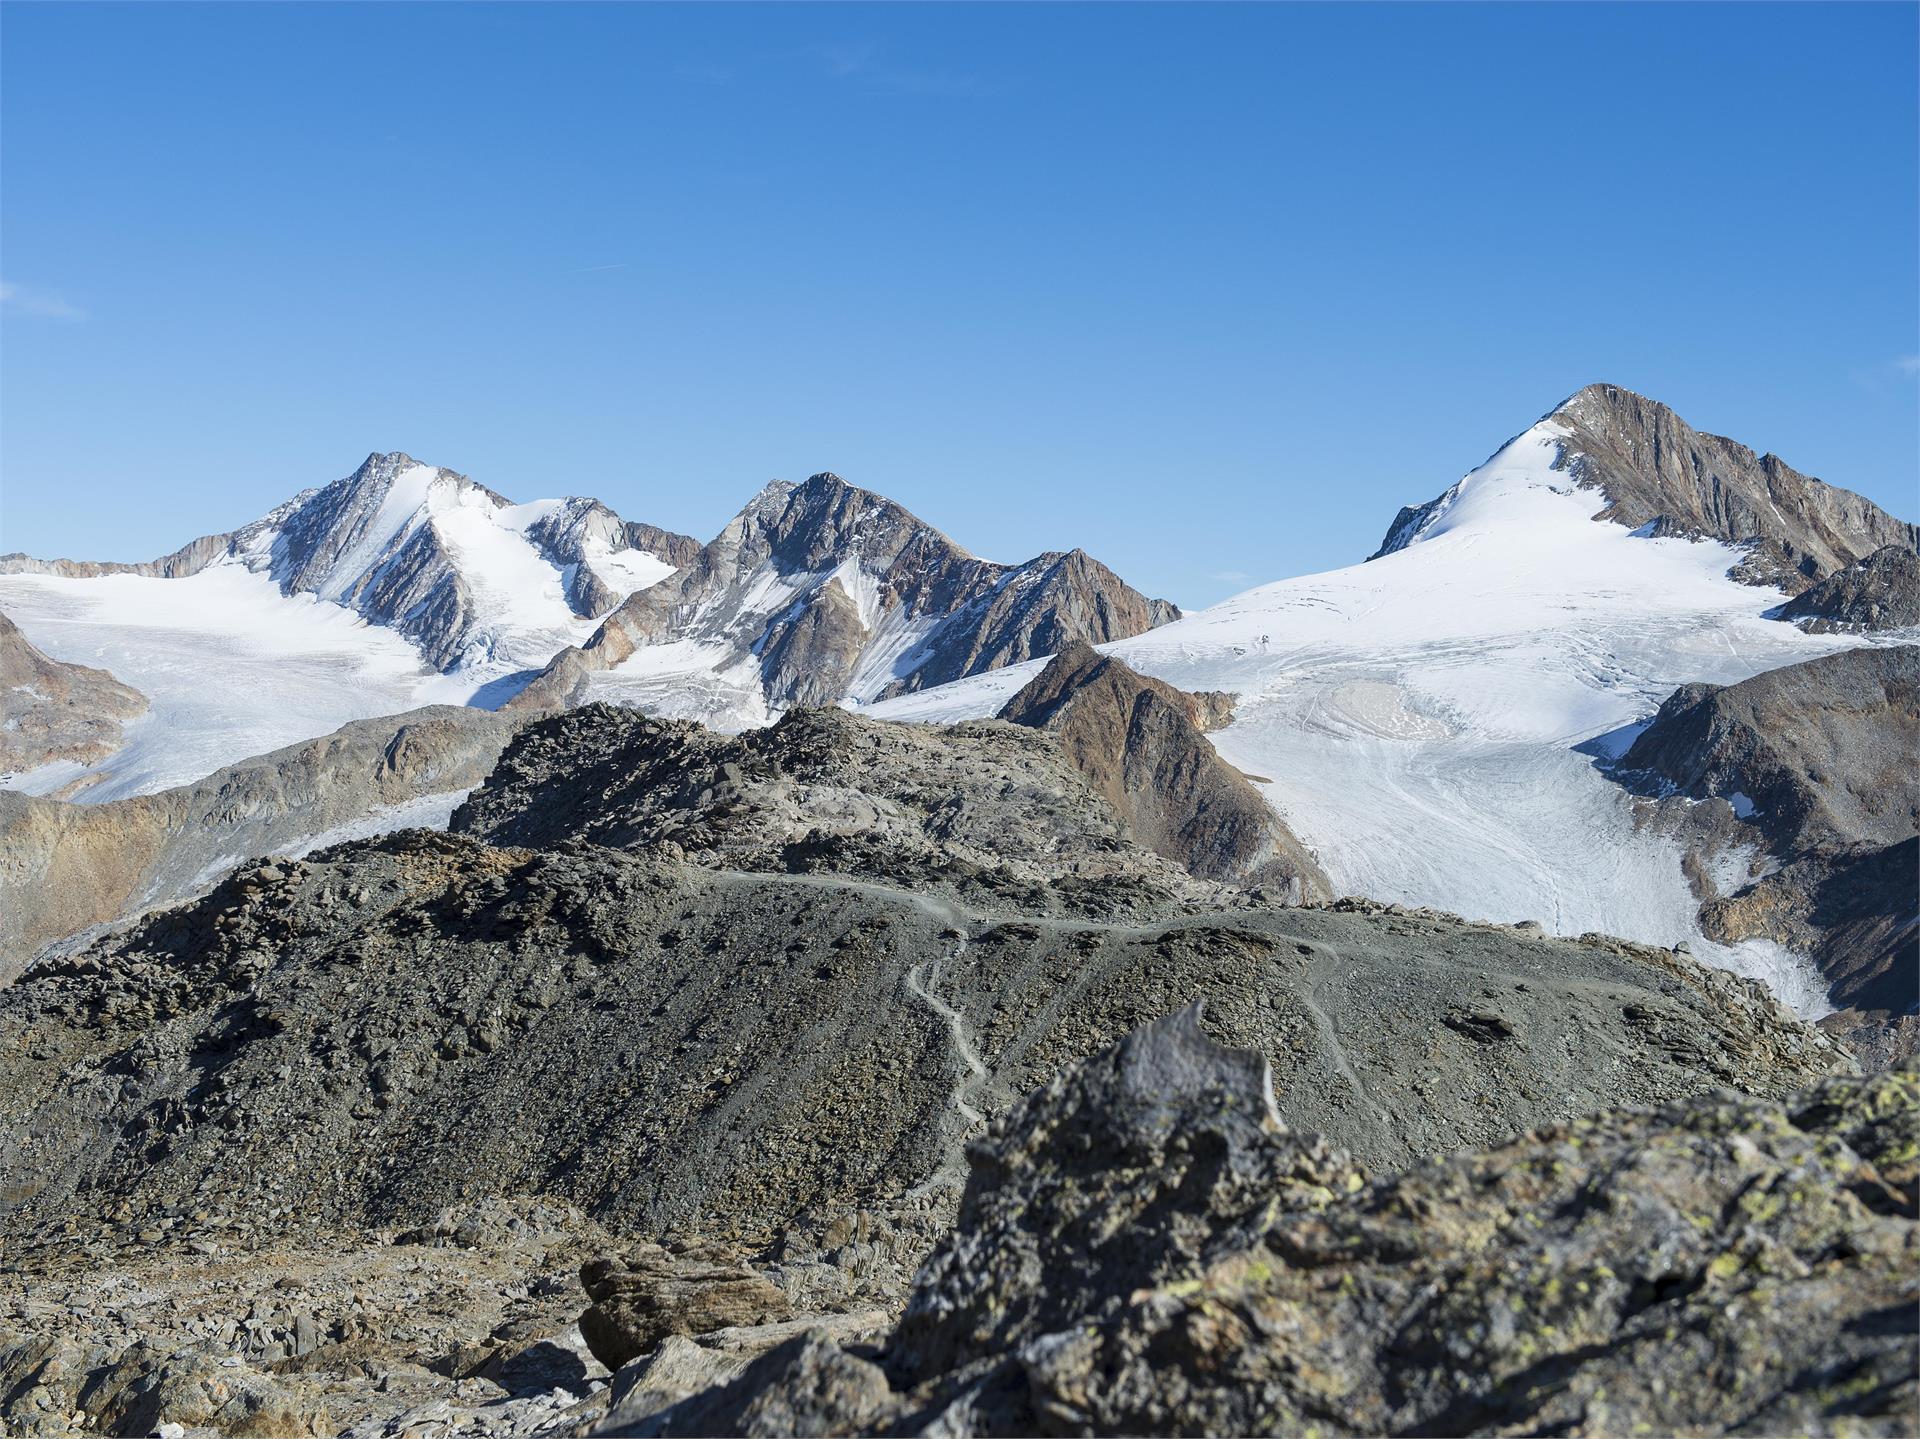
x,y
232,667
427,811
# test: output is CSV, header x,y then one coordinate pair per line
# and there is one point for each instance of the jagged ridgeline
x,y
821,591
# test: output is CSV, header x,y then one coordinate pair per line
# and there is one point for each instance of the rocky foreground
x,y
1145,1248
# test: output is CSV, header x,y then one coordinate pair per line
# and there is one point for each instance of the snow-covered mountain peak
x,y
1428,722
1500,493
1649,471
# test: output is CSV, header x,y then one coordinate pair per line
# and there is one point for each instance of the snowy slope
x,y
1418,720
477,583
400,585
233,668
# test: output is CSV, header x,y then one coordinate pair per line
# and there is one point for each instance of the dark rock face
x,y
798,547
808,657
1140,743
1880,592
65,868
1657,470
51,710
1659,473
1039,609
1143,1249
1817,758
1820,749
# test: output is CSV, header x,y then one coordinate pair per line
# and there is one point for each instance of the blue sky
x,y
1209,291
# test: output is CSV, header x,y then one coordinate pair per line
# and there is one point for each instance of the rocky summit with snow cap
x,y
1661,477
461,571
820,592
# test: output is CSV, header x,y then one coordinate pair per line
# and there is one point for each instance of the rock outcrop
x,y
1140,743
583,536
1815,761
987,813
1145,1248
65,868
1880,592
465,1324
900,606
1659,474
649,1294
50,710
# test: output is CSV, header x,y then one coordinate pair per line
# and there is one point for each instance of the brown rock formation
x,y
50,710
1140,742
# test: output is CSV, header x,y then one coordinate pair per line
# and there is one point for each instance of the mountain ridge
x,y
824,591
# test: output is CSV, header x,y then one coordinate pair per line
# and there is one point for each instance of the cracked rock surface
x,y
1143,1248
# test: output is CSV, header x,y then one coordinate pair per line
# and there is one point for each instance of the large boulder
x,y
649,1293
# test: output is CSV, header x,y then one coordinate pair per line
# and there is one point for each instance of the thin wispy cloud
x,y
1231,577
867,64
862,64
25,300
844,60
1888,375
596,269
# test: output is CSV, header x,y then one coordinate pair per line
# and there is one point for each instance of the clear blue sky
x,y
1208,291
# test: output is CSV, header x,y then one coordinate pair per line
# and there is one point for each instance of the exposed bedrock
x,y
1145,1248
1813,767
51,710
1140,742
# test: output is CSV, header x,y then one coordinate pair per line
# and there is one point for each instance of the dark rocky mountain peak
x,y
841,593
